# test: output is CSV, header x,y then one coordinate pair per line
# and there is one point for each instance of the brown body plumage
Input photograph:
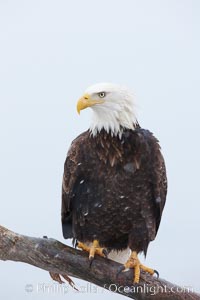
x,y
114,189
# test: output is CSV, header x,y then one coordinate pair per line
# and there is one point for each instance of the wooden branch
x,y
53,256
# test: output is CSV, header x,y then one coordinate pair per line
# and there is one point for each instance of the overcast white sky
x,y
50,51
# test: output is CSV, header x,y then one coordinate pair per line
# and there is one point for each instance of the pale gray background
x,y
50,51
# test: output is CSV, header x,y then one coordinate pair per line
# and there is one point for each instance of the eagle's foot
x,y
93,249
134,263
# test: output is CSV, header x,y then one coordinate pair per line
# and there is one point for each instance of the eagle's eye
x,y
102,94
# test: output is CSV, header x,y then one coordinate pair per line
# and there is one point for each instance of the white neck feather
x,y
112,117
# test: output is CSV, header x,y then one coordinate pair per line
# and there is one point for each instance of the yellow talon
x,y
93,249
133,262
83,247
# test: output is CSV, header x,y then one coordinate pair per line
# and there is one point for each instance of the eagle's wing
x,y
160,190
158,177
71,177
152,175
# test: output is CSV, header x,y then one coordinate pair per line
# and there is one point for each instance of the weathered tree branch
x,y
53,256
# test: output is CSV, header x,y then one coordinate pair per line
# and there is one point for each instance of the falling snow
x,y
127,207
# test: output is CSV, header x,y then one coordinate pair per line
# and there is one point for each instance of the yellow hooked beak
x,y
86,101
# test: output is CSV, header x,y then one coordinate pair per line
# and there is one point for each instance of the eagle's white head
x,y
112,105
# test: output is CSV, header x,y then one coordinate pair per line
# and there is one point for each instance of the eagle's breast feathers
x,y
114,188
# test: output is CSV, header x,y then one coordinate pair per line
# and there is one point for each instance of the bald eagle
x,y
114,183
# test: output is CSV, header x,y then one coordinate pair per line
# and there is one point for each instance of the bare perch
x,y
53,256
